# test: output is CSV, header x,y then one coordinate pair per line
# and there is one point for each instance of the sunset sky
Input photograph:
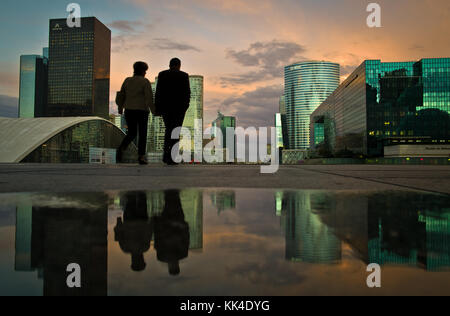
x,y
240,46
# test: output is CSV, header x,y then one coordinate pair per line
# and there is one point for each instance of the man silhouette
x,y
173,95
172,235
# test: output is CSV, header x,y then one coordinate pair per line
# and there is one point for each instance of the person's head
x,y
175,64
140,68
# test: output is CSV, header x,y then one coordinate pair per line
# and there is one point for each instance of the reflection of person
x,y
173,95
134,233
137,101
171,232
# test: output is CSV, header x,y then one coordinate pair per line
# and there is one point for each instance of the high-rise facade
x,y
195,113
222,123
33,85
79,69
307,85
156,130
384,105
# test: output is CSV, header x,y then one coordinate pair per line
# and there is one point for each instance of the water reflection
x,y
242,229
385,228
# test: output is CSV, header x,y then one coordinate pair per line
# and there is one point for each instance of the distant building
x,y
33,85
79,69
307,85
223,123
156,130
195,112
399,108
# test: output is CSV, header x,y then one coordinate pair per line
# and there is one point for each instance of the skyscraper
x,y
307,85
223,122
33,85
195,112
79,69
156,130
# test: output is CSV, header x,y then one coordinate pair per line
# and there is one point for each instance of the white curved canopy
x,y
19,137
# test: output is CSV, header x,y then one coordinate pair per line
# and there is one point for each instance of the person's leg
x,y
143,129
130,118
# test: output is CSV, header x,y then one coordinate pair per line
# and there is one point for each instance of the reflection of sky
x,y
243,251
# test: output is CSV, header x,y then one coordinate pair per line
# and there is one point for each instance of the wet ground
x,y
225,242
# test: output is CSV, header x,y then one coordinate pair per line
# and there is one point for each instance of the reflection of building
x,y
33,85
192,203
392,228
223,200
57,140
307,238
307,85
390,107
79,69
49,239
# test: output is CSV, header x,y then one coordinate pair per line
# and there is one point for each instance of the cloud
x,y
255,108
125,26
167,44
9,106
269,57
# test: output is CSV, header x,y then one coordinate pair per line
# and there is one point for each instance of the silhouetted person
x,y
136,97
171,233
173,95
134,233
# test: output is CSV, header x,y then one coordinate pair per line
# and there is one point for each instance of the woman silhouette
x,y
136,98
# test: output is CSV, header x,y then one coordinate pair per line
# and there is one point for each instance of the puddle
x,y
225,242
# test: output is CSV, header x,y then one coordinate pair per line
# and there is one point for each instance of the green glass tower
x,y
33,85
381,105
307,85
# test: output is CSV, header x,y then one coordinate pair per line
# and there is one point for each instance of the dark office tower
x,y
33,85
79,69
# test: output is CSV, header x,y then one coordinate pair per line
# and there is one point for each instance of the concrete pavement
x,y
88,178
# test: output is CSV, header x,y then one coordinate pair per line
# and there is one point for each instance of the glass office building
x,y
386,104
72,145
79,69
195,112
33,85
307,85
223,123
156,130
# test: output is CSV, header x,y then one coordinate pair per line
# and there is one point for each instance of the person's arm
x,y
123,96
149,96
